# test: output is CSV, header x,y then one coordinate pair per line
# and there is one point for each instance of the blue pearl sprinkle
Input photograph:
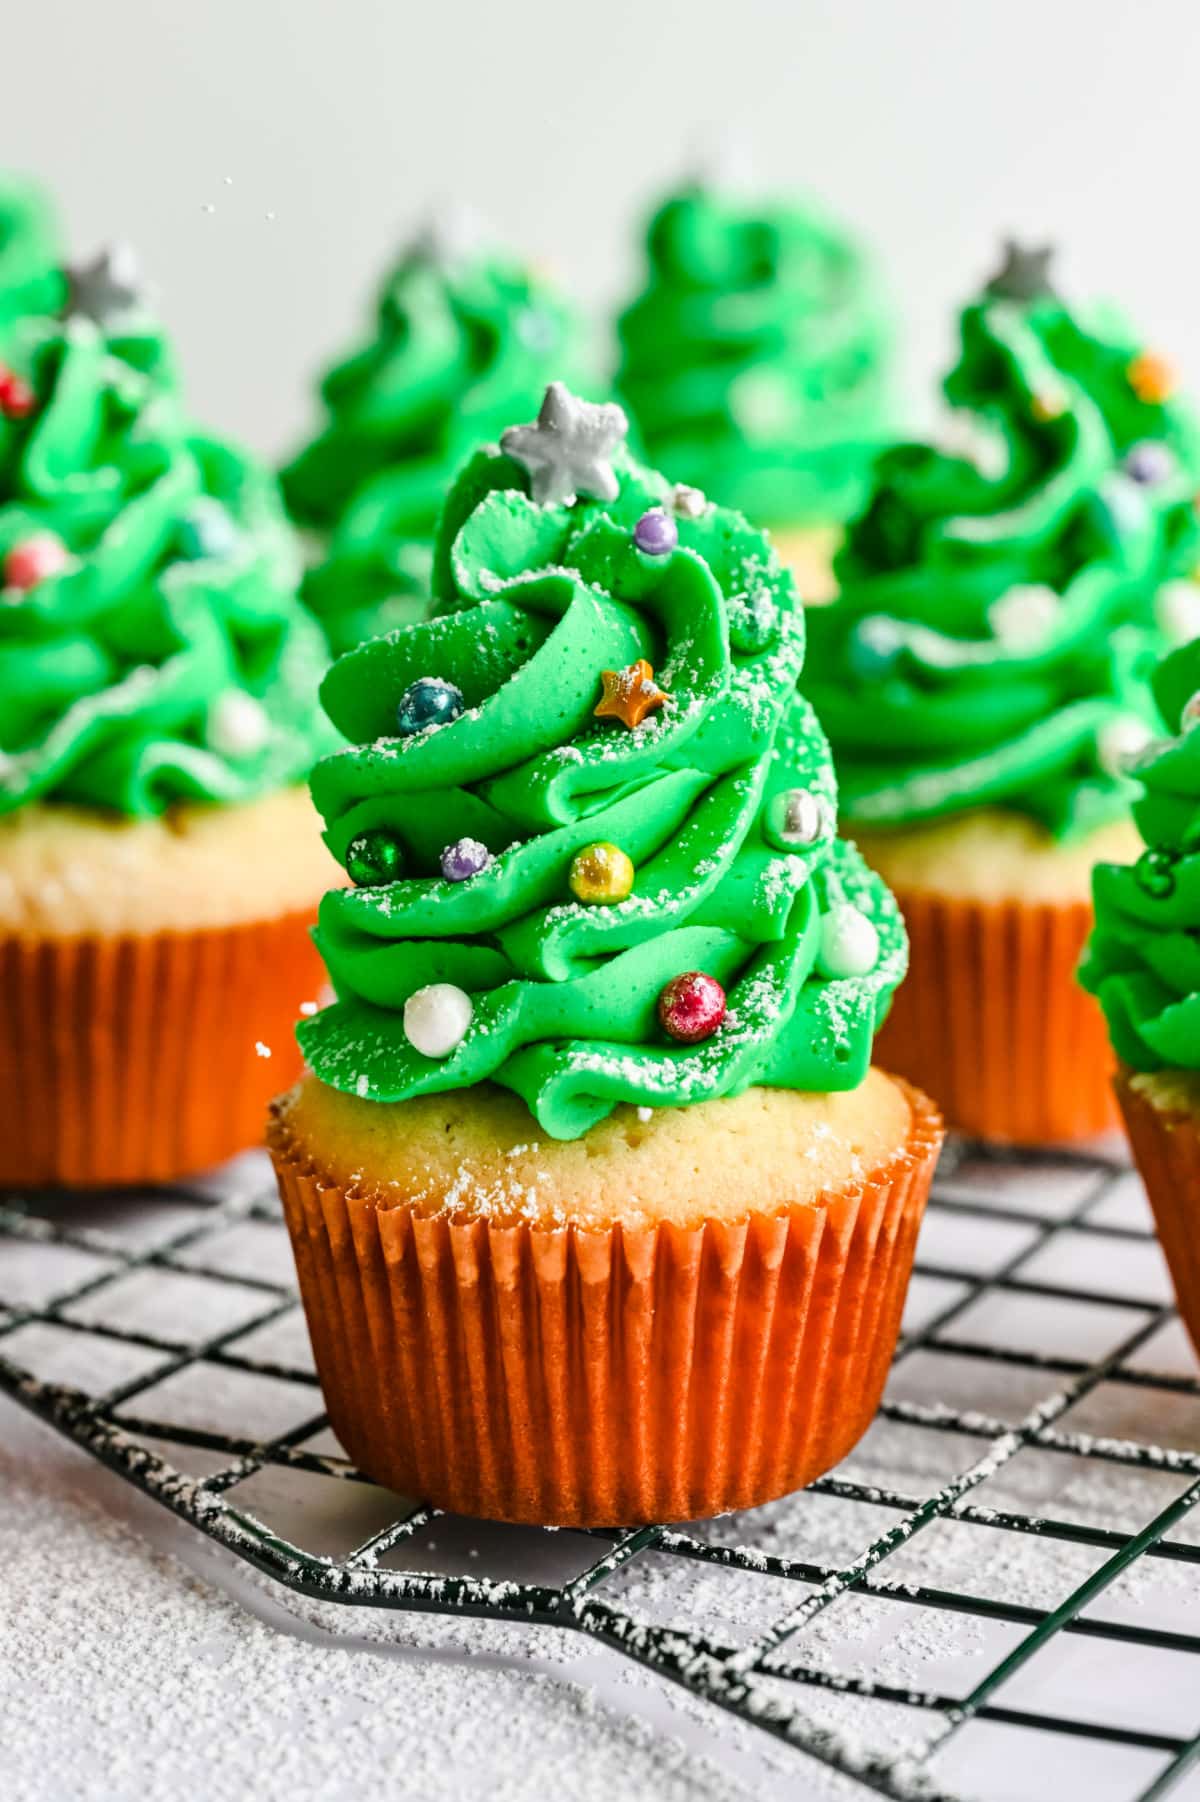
x,y
206,530
427,702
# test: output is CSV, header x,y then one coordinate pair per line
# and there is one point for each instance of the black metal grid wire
x,y
767,1680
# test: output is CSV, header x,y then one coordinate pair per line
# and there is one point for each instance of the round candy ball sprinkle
x,y
33,559
656,533
687,502
436,1019
237,724
849,942
875,645
17,399
1190,717
601,873
799,818
691,1007
206,530
1024,616
425,703
374,857
1177,611
1150,462
1120,743
466,857
1154,873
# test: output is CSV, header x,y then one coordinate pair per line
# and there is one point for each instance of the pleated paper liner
x,y
574,1377
133,1059
991,1019
1166,1149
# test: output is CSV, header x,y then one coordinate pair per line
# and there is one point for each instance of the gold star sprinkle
x,y
629,694
1152,378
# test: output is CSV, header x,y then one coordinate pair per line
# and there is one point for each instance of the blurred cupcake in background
x,y
983,678
1143,962
31,275
755,364
159,863
465,340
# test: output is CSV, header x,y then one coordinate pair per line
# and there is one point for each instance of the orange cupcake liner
x,y
992,1021
132,1059
1166,1149
575,1377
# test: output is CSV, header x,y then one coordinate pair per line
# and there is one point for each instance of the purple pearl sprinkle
x,y
1149,462
465,857
656,533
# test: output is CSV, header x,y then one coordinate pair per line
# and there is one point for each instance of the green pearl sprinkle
x,y
1154,873
373,858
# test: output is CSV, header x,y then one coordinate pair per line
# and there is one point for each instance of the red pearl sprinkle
x,y
17,398
33,559
691,1007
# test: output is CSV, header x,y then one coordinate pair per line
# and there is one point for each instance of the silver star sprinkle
x,y
567,453
108,288
451,235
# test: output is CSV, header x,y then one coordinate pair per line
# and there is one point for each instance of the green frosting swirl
x,y
167,659
462,346
996,626
1143,959
755,360
533,602
31,280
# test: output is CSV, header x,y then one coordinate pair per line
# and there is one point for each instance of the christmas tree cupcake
x,y
464,341
1143,962
158,864
755,364
983,678
599,1210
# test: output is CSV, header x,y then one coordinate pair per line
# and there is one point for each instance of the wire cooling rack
x,y
1003,1578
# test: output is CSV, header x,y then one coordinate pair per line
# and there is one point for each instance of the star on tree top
x,y
109,288
568,451
1024,274
450,235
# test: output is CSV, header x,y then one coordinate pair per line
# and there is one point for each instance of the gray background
x,y
266,156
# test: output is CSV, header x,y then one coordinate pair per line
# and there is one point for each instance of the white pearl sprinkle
x,y
689,503
1177,611
436,1019
1023,618
237,724
645,1115
849,942
1120,743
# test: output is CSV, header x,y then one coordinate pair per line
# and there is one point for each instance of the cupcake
x,y
600,1212
1143,963
159,868
464,341
983,677
31,278
755,364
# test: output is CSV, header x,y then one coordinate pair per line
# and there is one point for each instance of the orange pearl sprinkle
x,y
1152,378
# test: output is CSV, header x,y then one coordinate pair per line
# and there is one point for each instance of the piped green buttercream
x,y
31,278
754,361
531,604
1143,959
168,659
463,345
996,626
